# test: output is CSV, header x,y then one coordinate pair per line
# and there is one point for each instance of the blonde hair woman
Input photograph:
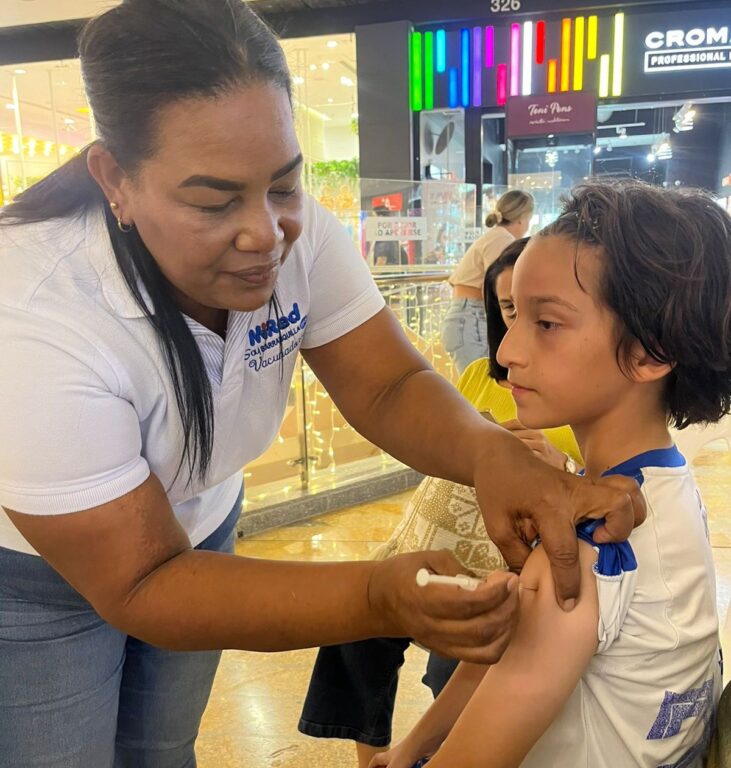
x,y
464,329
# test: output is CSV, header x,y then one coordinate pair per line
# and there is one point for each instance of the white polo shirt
x,y
87,408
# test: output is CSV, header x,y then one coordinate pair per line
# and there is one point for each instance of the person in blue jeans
x,y
464,327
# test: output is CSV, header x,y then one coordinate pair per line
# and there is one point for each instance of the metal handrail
x,y
411,277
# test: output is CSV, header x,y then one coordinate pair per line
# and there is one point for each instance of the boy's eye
x,y
547,325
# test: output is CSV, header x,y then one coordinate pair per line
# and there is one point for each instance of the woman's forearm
x,y
424,422
204,600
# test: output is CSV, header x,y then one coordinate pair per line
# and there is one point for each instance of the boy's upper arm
x,y
522,694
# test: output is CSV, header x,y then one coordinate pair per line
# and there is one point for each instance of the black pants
x,y
353,689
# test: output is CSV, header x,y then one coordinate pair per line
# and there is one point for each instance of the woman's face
x,y
220,203
503,291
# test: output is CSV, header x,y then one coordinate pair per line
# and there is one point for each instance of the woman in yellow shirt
x,y
353,686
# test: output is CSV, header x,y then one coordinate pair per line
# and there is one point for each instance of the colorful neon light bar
x,y
416,72
465,91
565,54
502,83
527,57
540,42
489,47
453,87
514,59
591,38
477,67
441,50
429,70
618,54
604,75
579,54
551,75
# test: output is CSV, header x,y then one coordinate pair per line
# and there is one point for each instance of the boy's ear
x,y
644,368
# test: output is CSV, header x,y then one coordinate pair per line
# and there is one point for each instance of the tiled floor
x,y
251,721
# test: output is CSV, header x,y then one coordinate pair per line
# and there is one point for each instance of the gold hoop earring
x,y
120,224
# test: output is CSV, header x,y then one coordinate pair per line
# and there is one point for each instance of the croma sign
x,y
687,49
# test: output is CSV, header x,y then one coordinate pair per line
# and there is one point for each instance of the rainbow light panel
x,y
486,65
579,54
441,51
514,59
618,54
428,70
477,67
565,53
540,42
591,41
465,67
527,56
489,47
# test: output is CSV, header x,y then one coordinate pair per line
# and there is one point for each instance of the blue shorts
x,y
78,693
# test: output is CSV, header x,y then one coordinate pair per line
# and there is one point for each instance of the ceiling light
x,y
330,99
597,150
10,106
332,43
313,67
69,121
346,81
326,65
298,80
651,157
20,71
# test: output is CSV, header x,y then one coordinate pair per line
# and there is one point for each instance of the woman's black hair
x,y
136,60
496,327
666,276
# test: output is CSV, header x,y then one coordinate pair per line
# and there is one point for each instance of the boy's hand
x,y
400,756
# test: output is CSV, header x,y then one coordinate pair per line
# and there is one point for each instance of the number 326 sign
x,y
504,6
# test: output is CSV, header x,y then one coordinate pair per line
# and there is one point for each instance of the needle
x,y
423,577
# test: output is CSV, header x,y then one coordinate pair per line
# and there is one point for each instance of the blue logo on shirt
x,y
275,338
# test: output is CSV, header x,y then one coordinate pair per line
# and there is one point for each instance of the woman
x,y
155,292
353,688
463,328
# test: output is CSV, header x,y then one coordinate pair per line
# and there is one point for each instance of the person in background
x,y
622,327
353,687
463,331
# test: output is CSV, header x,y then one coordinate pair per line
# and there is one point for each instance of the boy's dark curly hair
x,y
667,276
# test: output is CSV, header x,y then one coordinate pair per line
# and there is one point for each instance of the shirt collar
x,y
102,258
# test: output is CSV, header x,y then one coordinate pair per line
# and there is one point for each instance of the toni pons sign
x,y
553,113
673,50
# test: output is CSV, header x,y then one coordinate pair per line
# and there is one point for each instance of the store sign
x,y
554,113
396,228
674,50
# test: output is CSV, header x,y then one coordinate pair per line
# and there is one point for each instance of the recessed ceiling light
x,y
298,80
313,67
330,99
19,71
332,43
346,81
10,106
326,65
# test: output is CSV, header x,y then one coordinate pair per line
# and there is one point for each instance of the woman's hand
x,y
537,442
473,626
524,497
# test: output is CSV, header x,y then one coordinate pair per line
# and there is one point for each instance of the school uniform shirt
x,y
87,407
648,696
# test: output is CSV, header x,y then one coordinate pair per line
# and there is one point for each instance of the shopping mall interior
x,y
322,492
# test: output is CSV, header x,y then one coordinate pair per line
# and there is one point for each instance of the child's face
x,y
560,350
